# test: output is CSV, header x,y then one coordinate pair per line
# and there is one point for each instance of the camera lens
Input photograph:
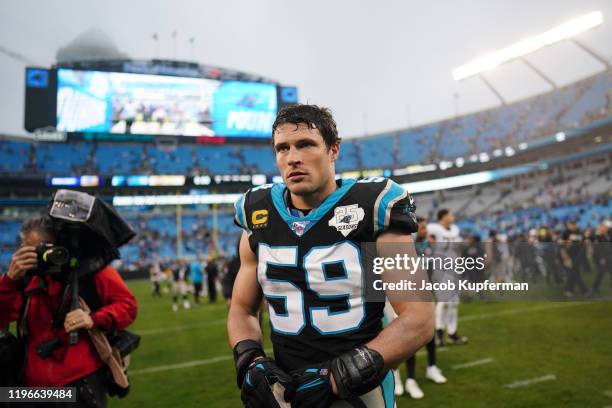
x,y
56,256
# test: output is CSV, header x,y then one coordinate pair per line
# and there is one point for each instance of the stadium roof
x,y
378,67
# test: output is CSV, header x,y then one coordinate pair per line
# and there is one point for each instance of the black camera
x,y
51,258
87,230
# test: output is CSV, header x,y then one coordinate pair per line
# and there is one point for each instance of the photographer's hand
x,y
22,261
76,320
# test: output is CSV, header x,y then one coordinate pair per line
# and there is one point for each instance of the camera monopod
x,y
74,301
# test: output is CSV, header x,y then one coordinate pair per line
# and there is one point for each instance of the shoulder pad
x,y
243,207
394,209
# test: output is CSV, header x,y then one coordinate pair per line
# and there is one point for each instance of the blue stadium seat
x,y
61,158
377,152
176,160
262,158
115,159
592,100
14,156
348,159
218,159
415,144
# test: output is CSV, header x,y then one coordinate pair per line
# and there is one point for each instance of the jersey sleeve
x,y
240,216
394,210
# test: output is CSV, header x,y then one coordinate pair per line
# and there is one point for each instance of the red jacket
x,y
117,310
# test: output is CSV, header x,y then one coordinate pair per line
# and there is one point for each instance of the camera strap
x,y
22,322
60,313
87,291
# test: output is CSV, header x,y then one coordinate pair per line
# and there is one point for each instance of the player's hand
x,y
23,260
313,388
76,320
256,389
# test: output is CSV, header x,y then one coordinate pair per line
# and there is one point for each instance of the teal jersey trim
x,y
278,191
394,192
388,389
238,206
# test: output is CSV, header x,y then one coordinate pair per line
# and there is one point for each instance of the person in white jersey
x,y
446,235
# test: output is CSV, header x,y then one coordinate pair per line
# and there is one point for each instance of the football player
x,y
447,236
301,250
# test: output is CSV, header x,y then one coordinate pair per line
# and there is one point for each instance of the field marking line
x,y
519,311
472,363
161,330
187,364
525,383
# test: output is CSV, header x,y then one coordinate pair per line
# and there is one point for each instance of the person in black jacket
x,y
212,270
602,256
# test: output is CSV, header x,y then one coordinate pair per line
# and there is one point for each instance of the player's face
x,y
303,159
449,218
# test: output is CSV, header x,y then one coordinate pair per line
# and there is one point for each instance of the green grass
x,y
572,341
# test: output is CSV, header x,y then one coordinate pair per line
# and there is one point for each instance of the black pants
x,y
156,289
91,392
197,289
212,287
574,277
431,359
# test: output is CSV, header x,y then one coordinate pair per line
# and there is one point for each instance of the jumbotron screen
x,y
138,104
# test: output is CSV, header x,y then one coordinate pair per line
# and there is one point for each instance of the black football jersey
x,y
311,268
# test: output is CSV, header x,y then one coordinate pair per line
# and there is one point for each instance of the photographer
x,y
37,299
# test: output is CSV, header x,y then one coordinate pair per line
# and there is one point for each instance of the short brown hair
x,y
315,117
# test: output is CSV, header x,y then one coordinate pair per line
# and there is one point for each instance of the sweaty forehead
x,y
288,132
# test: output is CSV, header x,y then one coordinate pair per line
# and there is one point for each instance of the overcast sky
x,y
379,65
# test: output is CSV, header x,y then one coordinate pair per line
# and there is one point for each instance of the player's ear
x,y
334,151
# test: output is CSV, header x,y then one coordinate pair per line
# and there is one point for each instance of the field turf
x,y
184,359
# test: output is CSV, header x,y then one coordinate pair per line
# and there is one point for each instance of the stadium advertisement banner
x,y
244,109
138,104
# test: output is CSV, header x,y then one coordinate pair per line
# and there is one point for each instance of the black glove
x,y
256,374
312,387
358,371
257,386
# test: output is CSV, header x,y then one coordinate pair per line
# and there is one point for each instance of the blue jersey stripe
x,y
388,389
311,384
394,192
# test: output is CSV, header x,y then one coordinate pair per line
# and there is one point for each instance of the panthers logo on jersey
x,y
311,268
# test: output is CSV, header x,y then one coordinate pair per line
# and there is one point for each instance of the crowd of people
x,y
197,278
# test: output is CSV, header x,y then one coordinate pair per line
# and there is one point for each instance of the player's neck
x,y
446,225
310,201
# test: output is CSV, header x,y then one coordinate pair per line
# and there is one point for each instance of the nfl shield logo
x,y
299,226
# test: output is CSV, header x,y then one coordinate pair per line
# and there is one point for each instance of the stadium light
x,y
529,45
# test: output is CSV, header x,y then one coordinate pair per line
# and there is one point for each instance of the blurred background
x,y
499,111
